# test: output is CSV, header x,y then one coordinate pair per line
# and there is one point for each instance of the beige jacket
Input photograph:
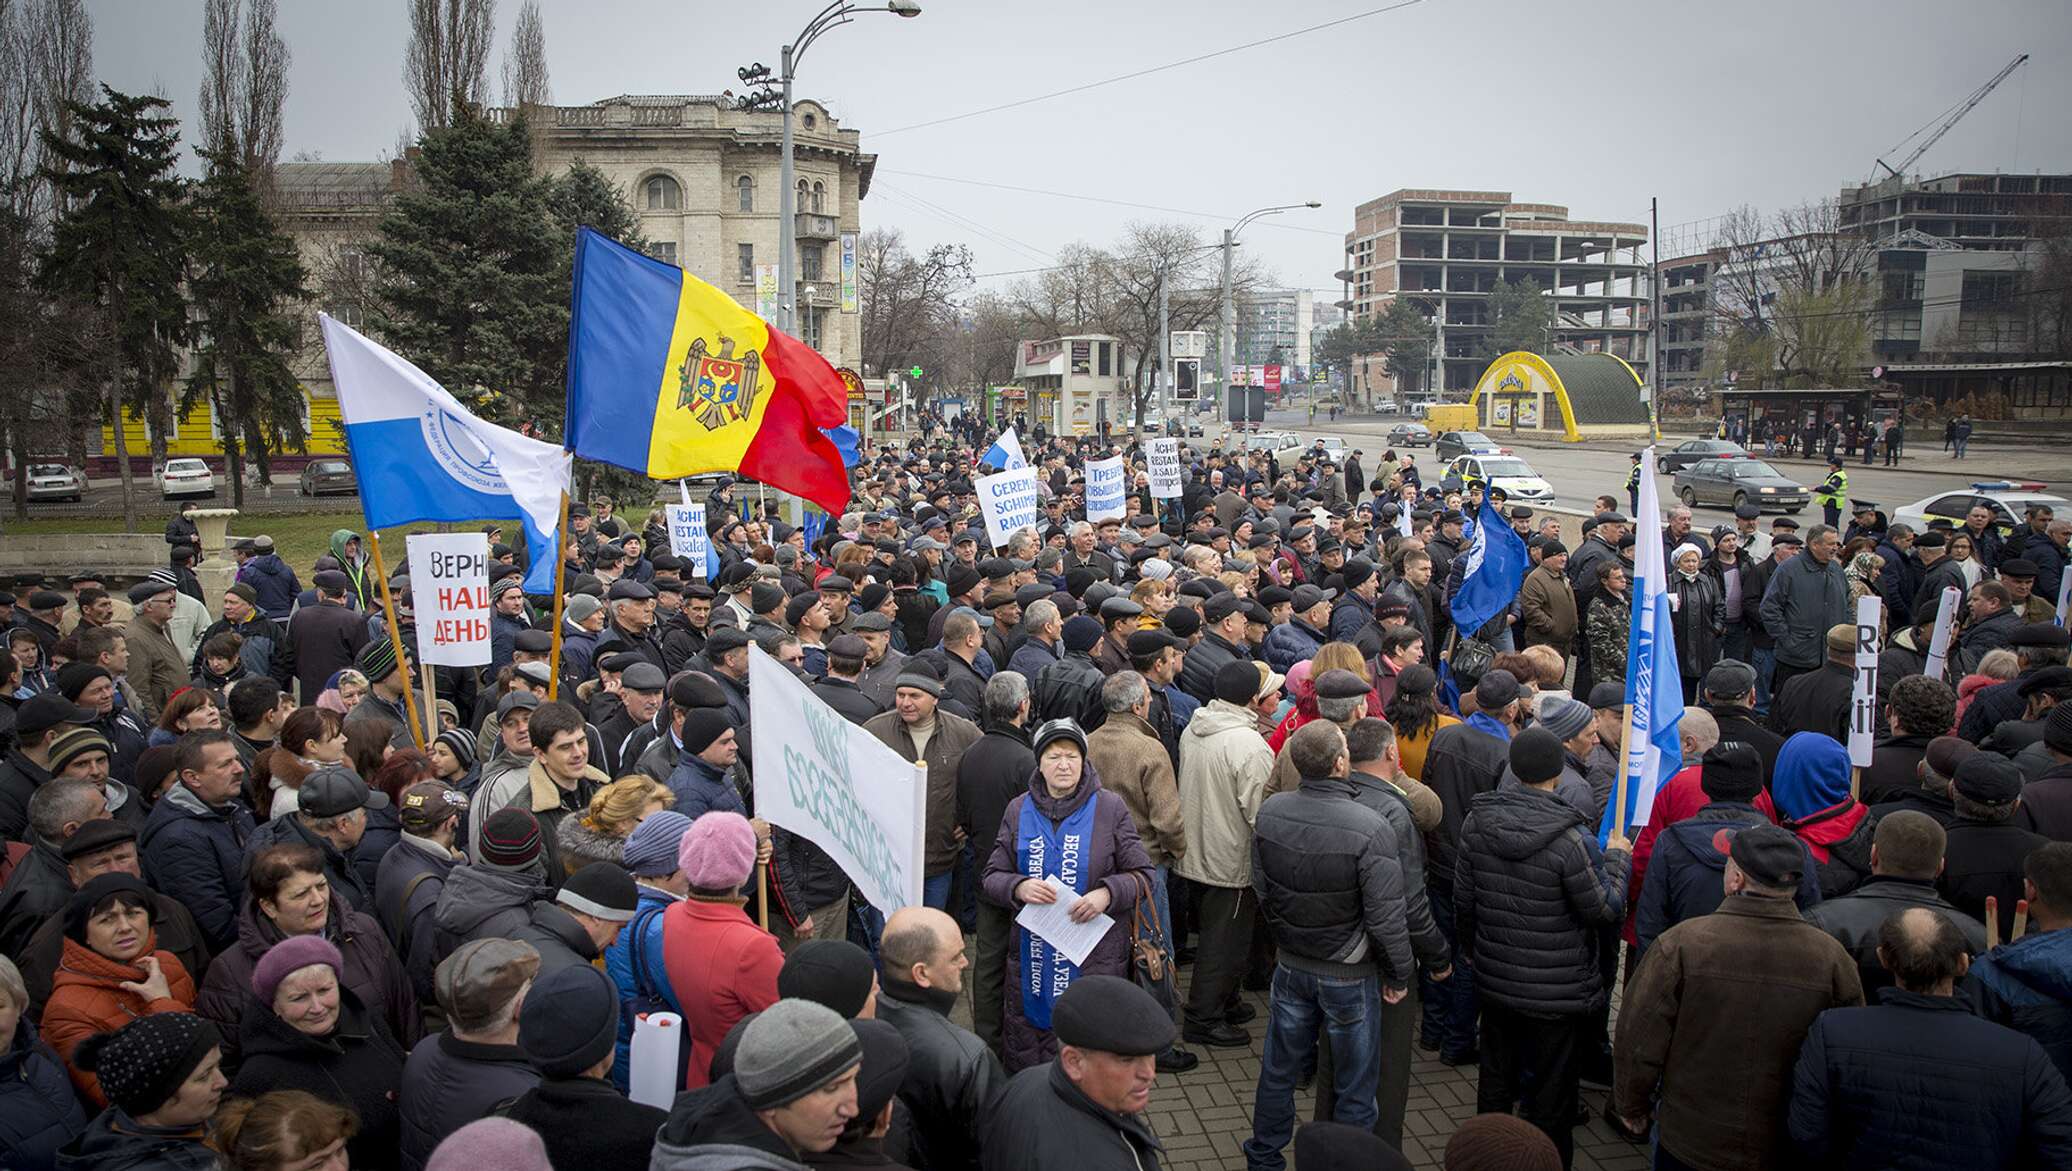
x,y
1132,764
1224,763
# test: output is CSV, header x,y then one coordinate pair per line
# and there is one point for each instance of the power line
x,y
1206,215
1106,81
990,235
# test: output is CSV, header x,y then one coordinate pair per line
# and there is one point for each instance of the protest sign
x,y
1008,502
1939,642
687,537
1164,457
836,785
449,585
1863,696
1105,489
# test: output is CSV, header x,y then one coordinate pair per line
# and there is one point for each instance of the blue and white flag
x,y
848,441
1496,568
1006,453
420,456
1654,685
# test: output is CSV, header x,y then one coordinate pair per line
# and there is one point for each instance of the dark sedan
x,y
1452,445
1733,482
1410,435
320,476
1683,455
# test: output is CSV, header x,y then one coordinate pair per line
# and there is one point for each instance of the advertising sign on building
x,y
449,583
766,305
848,272
1272,379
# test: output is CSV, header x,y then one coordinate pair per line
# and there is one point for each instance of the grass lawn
x,y
299,537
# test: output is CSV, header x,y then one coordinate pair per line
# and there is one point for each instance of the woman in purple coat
x,y
1065,827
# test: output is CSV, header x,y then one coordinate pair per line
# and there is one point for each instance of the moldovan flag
x,y
668,377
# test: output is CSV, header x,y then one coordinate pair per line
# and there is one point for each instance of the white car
x,y
2009,501
1273,441
1506,471
55,482
186,477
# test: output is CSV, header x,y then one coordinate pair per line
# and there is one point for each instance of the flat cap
x,y
1340,684
532,642
724,639
1729,679
139,594
1111,1015
1770,855
1144,643
2043,634
1607,695
2018,567
1945,753
643,676
870,621
1988,778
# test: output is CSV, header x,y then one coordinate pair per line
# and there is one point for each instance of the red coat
x,y
721,967
87,997
1682,796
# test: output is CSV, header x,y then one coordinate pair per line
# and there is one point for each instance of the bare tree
x,y
525,65
447,60
1174,258
906,300
1796,286
244,83
46,61
1075,295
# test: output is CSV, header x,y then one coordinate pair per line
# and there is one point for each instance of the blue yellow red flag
x,y
669,377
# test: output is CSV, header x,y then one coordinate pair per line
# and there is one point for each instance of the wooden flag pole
x,y
560,573
1619,818
1992,922
1855,781
395,629
762,895
431,703
2021,920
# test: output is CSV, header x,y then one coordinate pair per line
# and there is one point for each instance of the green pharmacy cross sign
x,y
916,372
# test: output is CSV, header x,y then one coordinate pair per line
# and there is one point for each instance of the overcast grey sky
x,y
1597,105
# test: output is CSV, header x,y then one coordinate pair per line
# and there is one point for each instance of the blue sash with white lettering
x,y
1043,850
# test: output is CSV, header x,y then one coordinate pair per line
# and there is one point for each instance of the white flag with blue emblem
x,y
1654,685
421,456
1006,452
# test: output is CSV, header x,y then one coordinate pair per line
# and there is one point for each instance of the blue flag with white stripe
x,y
1496,568
421,456
1654,685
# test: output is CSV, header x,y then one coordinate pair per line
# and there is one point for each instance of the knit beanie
x,y
831,972
717,852
1500,1142
569,1021
510,839
377,660
1082,633
98,892
462,743
792,1049
491,1142
290,955
1536,756
651,847
142,1064
70,745
73,678
1564,717
701,726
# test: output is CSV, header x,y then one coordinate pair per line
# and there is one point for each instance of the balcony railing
x,y
814,226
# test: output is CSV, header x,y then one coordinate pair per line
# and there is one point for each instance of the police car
x,y
1502,470
2008,500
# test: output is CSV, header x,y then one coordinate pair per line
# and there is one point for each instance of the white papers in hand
x,y
1052,923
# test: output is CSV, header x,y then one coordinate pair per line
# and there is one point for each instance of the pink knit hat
x,y
491,1142
718,852
288,956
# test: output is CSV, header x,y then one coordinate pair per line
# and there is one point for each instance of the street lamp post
x,y
840,12
1229,314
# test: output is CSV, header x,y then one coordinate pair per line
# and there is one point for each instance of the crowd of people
x,y
267,909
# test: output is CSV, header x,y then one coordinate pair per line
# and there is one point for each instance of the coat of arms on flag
x,y
721,389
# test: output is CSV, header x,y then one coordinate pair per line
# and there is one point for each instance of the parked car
x,y
1273,441
328,475
1293,449
1451,445
56,482
1513,475
1410,435
1685,454
2008,501
1733,481
186,477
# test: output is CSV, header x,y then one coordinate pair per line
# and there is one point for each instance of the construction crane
x,y
1964,107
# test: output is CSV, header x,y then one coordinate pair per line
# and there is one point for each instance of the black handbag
x,y
1151,956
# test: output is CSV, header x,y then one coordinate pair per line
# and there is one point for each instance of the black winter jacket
x,y
1461,763
712,1129
558,937
1204,659
1426,941
1919,1082
588,1124
1854,920
288,830
846,698
406,893
196,853
1042,1122
448,1083
1982,860
990,774
39,1113
2027,985
1330,883
1529,890
359,1066
951,1078
1070,689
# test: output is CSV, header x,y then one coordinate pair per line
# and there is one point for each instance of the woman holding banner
x,y
1068,828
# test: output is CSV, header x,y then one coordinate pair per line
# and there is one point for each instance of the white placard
x,y
1163,455
657,1042
2064,594
687,538
1939,642
1008,502
1105,489
836,785
1863,696
449,590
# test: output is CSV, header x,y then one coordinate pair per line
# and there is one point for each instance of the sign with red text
x,y
449,590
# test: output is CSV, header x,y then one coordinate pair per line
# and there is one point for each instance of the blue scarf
x,y
1043,849
1484,722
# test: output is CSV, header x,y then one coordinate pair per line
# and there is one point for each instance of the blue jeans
x,y
1449,1006
935,890
1346,1011
1765,665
